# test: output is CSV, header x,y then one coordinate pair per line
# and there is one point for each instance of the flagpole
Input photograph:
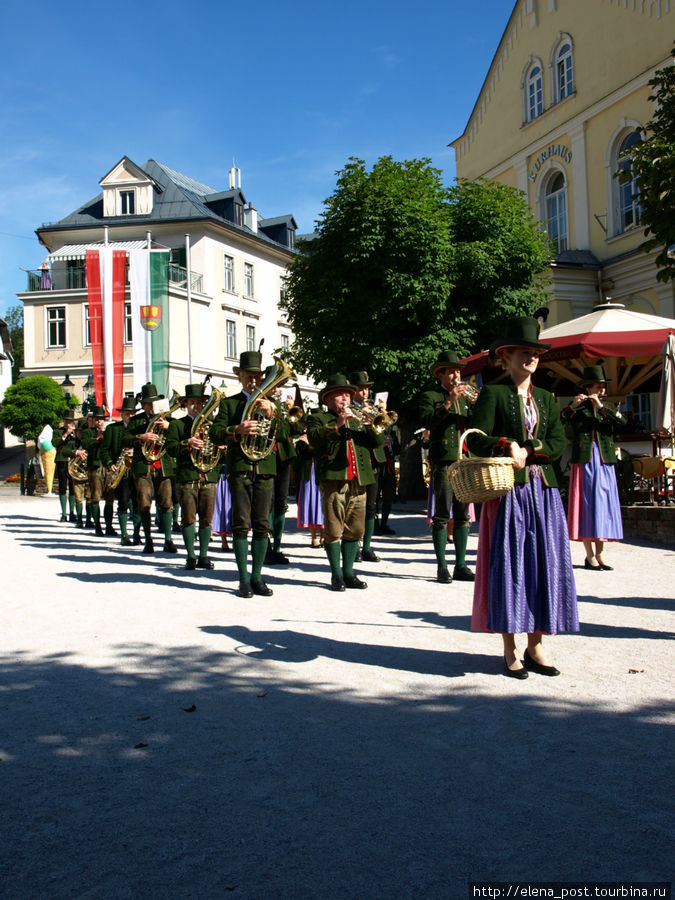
x,y
147,335
189,302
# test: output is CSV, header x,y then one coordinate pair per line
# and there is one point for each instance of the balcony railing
x,y
178,276
72,278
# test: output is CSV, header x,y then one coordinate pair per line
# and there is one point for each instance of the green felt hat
x,y
149,393
249,361
593,375
360,380
336,383
446,359
521,332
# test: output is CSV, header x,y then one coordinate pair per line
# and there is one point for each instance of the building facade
x,y
237,267
556,117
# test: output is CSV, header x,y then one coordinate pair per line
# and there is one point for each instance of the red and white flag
x,y
106,269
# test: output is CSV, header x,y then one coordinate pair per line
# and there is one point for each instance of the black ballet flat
x,y
589,565
520,674
530,663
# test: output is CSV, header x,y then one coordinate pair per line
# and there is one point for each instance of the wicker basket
x,y
480,478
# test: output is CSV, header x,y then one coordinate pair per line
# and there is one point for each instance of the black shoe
x,y
443,576
259,587
377,528
269,557
606,568
72,517
204,563
385,529
245,590
589,565
530,663
190,563
110,531
63,518
463,573
149,547
136,540
279,559
337,583
369,556
98,531
79,523
351,581
359,555
126,541
89,523
520,674
170,547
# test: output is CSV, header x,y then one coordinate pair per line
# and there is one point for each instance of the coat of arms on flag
x,y
151,317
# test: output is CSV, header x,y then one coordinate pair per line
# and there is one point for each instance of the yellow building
x,y
556,117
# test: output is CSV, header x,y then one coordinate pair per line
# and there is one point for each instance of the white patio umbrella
x,y
665,416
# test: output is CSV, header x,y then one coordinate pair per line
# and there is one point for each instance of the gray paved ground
x,y
162,738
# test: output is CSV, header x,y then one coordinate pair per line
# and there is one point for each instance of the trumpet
x,y
471,392
373,417
294,414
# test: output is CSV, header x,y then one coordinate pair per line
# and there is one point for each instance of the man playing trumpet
x,y
445,413
342,445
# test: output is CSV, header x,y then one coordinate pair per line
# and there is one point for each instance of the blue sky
x,y
289,91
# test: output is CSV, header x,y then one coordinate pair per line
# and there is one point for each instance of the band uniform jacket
x,y
112,443
499,412
445,425
65,446
589,424
176,444
222,431
330,447
91,442
138,424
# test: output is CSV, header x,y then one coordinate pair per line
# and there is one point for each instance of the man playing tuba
x,y
196,487
250,474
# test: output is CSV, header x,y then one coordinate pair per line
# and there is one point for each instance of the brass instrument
x,y
374,417
77,468
123,463
471,392
294,414
260,444
156,450
206,458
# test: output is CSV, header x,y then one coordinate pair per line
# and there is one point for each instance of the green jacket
x,y
91,442
330,447
499,412
112,443
222,432
589,424
65,446
176,445
286,446
445,425
138,424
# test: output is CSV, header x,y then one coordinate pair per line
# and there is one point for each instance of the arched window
x,y
628,207
555,209
564,72
534,93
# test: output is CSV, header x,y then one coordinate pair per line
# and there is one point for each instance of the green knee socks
x,y
460,538
440,539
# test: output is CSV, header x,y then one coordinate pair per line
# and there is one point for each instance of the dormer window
x,y
238,214
127,203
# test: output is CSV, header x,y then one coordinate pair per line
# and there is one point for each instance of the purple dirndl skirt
x,y
309,503
222,510
524,579
594,508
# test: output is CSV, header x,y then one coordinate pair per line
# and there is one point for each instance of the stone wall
x,y
655,524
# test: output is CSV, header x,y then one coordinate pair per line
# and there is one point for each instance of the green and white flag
x,y
149,288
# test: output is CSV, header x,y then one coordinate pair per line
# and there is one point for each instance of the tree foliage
x,y
402,267
653,168
30,404
14,319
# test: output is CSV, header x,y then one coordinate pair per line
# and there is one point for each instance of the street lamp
x,y
67,383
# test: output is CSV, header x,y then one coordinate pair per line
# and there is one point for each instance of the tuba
x,y
153,452
260,444
206,458
77,468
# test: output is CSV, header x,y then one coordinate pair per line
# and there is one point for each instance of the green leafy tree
x,y
30,404
14,319
402,267
653,170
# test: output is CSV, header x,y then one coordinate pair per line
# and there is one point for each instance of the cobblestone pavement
x,y
161,737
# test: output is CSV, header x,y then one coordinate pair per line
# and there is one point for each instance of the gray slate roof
x,y
179,198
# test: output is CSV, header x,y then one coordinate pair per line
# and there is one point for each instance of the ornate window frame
x,y
562,65
547,176
615,190
532,85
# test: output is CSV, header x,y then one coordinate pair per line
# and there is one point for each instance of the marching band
x,y
234,455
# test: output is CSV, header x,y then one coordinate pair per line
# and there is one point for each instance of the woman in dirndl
x,y
594,509
310,513
524,579
222,511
